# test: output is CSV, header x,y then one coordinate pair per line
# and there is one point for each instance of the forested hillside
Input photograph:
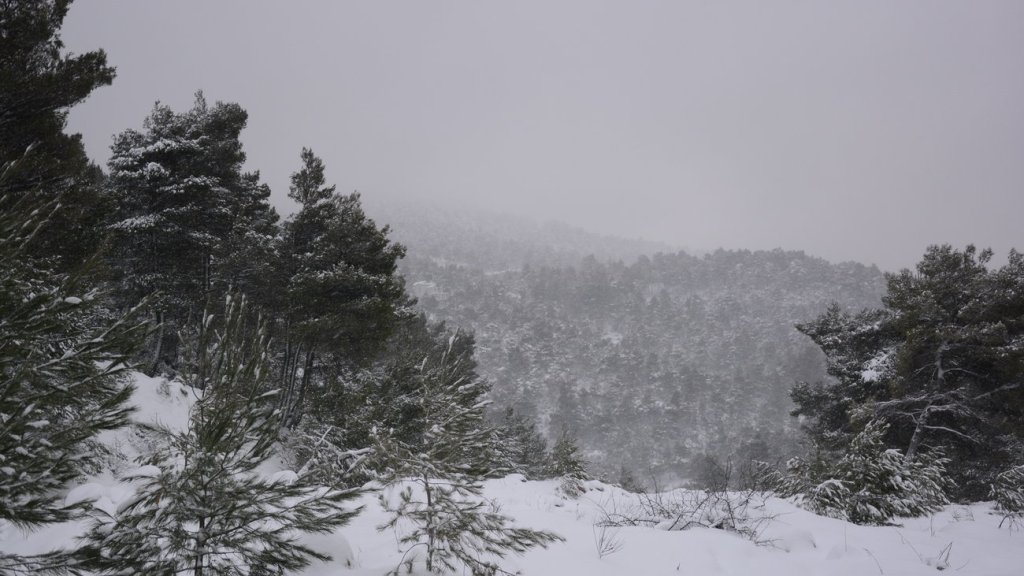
x,y
191,383
652,363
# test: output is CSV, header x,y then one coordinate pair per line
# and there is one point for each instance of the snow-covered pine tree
x,y
872,484
183,209
1008,492
383,396
568,464
60,377
247,259
520,447
202,505
439,476
343,290
940,363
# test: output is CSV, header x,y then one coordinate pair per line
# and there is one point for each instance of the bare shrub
x,y
606,540
740,512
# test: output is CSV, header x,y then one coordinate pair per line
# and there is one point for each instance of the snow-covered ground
x,y
964,540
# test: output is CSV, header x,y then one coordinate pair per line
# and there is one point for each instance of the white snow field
x,y
964,540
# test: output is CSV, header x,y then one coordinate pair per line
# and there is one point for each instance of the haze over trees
x,y
652,363
660,367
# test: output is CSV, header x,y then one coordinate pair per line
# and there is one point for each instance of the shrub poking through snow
x,y
870,484
1008,492
741,512
201,506
437,477
568,465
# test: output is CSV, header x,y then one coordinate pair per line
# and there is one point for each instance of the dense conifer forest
x,y
420,357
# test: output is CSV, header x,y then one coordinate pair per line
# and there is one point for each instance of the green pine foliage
x,y
568,464
940,363
343,289
188,224
201,505
437,476
61,374
39,83
520,447
247,259
1008,492
343,293
872,484
176,184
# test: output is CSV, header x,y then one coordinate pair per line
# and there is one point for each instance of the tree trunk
x,y
200,544
158,348
939,379
286,381
430,525
297,406
915,440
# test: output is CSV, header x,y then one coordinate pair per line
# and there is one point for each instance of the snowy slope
x,y
800,543
965,540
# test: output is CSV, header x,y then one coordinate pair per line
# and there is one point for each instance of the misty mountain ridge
x,y
493,241
655,360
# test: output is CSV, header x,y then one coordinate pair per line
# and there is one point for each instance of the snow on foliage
x,y
870,484
1008,492
201,502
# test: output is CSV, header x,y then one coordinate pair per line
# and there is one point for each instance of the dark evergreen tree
x,y
248,259
202,505
629,482
1008,493
184,211
520,447
438,476
384,396
343,289
61,377
568,464
872,484
850,342
941,364
39,82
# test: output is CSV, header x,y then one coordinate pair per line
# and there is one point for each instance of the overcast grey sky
x,y
854,130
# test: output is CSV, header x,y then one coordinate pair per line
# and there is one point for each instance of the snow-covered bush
x,y
870,484
1008,492
441,518
568,465
763,477
202,504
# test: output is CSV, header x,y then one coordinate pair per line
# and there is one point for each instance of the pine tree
x,y
248,258
185,213
1008,492
39,82
568,464
202,506
872,484
342,285
520,447
940,363
61,376
441,471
